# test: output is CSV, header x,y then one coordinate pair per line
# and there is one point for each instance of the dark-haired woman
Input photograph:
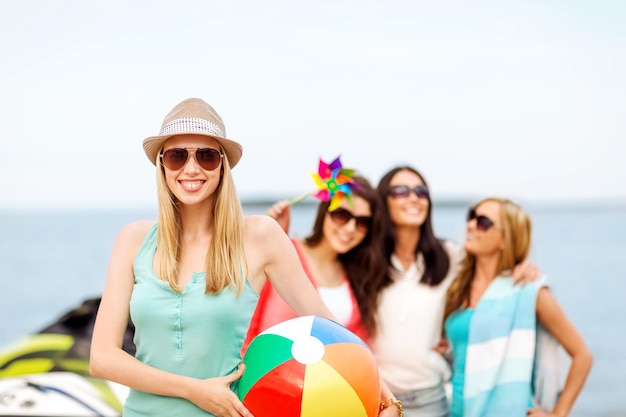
x,y
341,253
342,257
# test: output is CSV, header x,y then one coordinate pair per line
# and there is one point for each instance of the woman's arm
x,y
271,254
389,405
109,361
550,314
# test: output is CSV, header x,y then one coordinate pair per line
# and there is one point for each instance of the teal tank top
x,y
190,333
457,330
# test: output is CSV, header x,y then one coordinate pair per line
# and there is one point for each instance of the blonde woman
x,y
493,326
190,281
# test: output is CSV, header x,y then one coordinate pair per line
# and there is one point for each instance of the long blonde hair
x,y
225,259
516,228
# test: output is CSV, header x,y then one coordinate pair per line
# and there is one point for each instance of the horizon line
x,y
267,200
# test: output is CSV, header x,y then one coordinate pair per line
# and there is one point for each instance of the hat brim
x,y
232,149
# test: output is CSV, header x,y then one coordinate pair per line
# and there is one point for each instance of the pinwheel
x,y
333,181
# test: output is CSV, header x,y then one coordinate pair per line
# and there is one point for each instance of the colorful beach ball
x,y
309,367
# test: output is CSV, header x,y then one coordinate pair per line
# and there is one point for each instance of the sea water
x,y
52,260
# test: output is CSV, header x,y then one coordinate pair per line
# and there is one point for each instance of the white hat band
x,y
191,124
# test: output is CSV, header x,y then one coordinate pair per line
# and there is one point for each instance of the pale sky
x,y
523,99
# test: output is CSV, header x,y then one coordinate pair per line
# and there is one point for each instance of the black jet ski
x,y
47,373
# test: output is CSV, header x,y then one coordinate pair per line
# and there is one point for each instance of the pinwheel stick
x,y
299,198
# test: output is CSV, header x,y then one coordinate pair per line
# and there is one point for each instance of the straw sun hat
x,y
193,116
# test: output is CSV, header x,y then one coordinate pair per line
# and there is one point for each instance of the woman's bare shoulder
x,y
135,231
257,224
263,233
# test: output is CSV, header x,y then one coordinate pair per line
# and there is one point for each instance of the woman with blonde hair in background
x,y
493,325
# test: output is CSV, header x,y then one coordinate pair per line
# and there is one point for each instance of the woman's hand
x,y
442,347
538,412
215,396
526,272
281,213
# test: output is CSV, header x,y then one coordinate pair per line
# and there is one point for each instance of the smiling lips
x,y
191,185
413,210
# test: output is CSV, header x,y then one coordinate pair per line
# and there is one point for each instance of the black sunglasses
x,y
176,158
400,191
342,216
483,223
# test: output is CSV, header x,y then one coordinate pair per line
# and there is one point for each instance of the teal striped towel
x,y
501,351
